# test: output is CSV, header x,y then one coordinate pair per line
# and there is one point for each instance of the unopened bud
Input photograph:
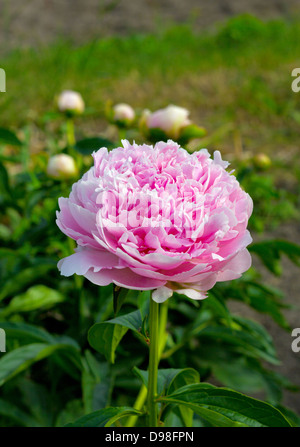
x,y
123,113
262,161
62,166
70,102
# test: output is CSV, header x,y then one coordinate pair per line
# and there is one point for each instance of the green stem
x,y
122,133
70,133
142,396
153,363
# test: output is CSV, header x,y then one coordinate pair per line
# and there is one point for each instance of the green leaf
x,y
13,412
246,336
190,132
132,321
26,333
119,294
89,145
105,417
22,279
36,297
105,337
37,399
223,407
21,358
5,190
8,137
169,380
270,253
96,383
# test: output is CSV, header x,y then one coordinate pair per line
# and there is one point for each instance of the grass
x,y
236,81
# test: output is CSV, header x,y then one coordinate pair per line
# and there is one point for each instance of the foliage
x,y
77,354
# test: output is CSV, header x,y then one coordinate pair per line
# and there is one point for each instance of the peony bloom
x,y
170,120
158,218
123,113
62,166
70,102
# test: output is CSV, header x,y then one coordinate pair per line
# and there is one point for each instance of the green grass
x,y
237,79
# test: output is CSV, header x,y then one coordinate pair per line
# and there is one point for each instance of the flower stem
x,y
153,363
70,133
142,396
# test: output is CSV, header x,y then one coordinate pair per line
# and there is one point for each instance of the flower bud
x,y
171,120
70,102
62,166
262,161
123,114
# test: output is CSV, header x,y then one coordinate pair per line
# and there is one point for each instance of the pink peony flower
x,y
158,218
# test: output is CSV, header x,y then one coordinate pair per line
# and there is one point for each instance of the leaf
x,y
119,294
132,321
105,417
247,337
105,337
26,333
168,380
36,297
37,399
12,411
190,132
89,380
223,407
22,279
89,145
270,253
5,189
8,137
21,358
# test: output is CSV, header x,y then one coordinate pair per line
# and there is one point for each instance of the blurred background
x,y
228,62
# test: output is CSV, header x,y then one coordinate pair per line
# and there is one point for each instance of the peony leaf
x,y
21,358
36,297
9,137
169,380
223,407
105,338
105,417
89,145
119,294
132,321
190,132
271,251
13,412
